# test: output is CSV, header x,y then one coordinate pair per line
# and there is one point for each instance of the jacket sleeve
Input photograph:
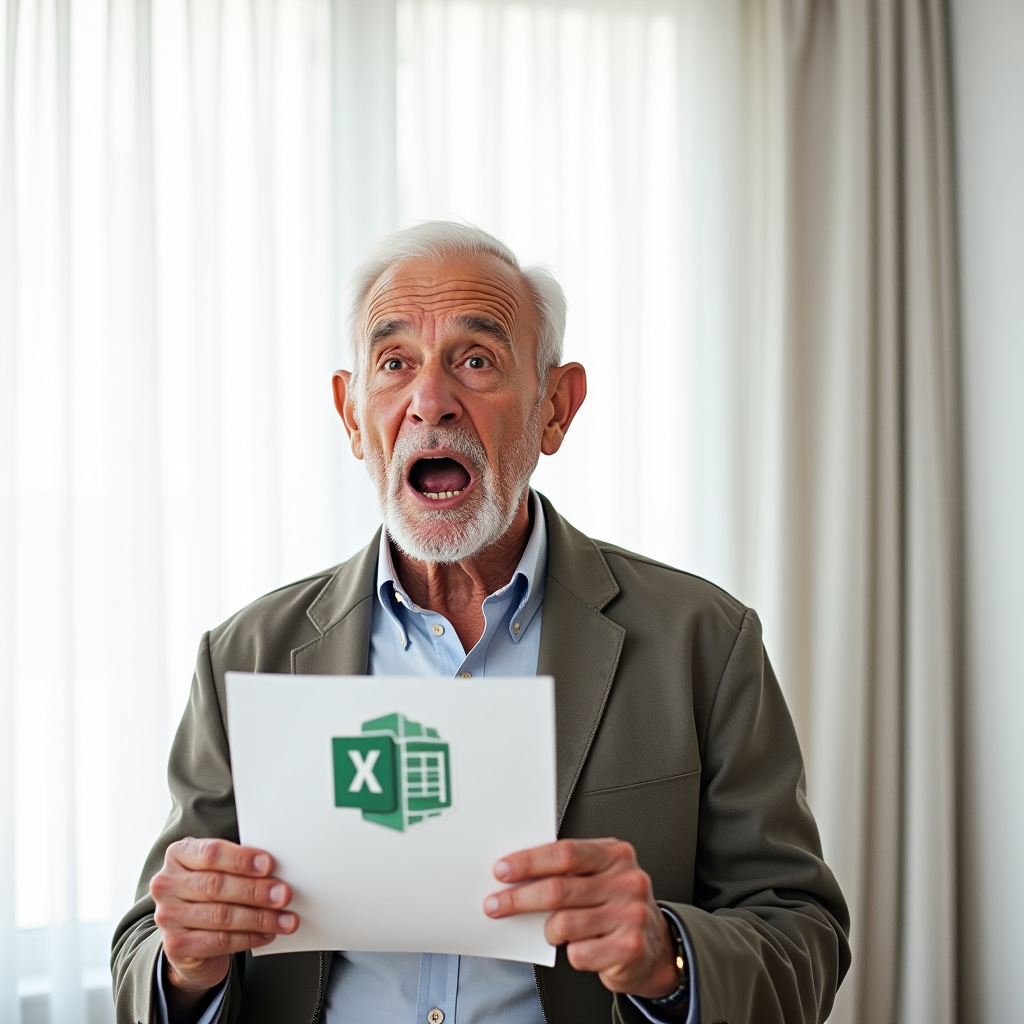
x,y
769,926
203,805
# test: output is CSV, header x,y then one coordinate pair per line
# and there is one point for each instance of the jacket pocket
x,y
658,817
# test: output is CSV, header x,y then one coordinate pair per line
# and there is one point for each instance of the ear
x,y
567,387
345,403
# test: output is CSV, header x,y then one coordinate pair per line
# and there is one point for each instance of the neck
x,y
457,590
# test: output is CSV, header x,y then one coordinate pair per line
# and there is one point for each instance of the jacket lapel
x,y
341,614
579,646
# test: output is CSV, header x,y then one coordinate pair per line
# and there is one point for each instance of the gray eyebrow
x,y
387,328
467,321
483,325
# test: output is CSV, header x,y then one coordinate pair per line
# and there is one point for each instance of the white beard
x,y
451,535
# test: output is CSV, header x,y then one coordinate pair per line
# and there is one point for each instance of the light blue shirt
x,y
406,640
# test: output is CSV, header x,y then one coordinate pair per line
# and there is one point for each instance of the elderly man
x,y
687,881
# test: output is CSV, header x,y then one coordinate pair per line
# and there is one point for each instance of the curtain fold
x,y
126,345
872,492
364,186
8,291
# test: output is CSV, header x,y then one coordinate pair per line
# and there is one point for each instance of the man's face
x,y
448,402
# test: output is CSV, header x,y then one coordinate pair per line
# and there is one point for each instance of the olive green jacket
x,y
672,734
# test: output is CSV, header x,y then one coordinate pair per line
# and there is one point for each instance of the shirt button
x,y
435,1016
438,630
467,675
515,628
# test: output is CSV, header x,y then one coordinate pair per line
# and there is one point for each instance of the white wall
x,y
988,44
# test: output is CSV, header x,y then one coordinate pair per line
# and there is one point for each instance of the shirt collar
x,y
532,567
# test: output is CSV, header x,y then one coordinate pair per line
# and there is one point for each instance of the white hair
x,y
443,239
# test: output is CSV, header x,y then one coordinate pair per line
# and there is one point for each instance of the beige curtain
x,y
867,538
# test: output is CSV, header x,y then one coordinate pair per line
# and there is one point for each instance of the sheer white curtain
x,y
171,257
185,183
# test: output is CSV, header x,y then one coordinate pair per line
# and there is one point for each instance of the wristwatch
x,y
682,993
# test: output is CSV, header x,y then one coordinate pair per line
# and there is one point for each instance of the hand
x,y
214,898
601,907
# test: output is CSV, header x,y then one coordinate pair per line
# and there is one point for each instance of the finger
x,y
548,894
220,855
216,917
565,857
199,944
578,925
220,887
619,953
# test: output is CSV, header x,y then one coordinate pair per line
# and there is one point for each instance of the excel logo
x,y
397,772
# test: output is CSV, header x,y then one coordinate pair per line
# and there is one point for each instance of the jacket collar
x,y
579,645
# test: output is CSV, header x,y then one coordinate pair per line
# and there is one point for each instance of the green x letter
x,y
364,773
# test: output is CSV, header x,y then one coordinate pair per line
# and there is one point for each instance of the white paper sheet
x,y
392,882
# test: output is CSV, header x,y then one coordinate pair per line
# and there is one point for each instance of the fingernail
x,y
285,920
502,869
277,894
261,862
491,904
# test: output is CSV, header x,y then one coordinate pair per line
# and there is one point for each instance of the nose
x,y
433,398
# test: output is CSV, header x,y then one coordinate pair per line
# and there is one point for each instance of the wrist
x,y
665,979
662,977
678,994
186,993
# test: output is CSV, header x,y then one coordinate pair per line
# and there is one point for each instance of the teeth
x,y
437,496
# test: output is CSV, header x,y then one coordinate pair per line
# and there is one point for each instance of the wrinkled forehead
x,y
428,294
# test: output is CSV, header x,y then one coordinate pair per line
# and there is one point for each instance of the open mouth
x,y
439,478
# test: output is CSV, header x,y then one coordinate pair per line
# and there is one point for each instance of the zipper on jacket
x,y
540,997
320,992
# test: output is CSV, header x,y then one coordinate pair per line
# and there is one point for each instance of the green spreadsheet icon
x,y
397,772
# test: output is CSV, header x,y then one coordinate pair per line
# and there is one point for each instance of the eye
x,y
476,362
393,364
